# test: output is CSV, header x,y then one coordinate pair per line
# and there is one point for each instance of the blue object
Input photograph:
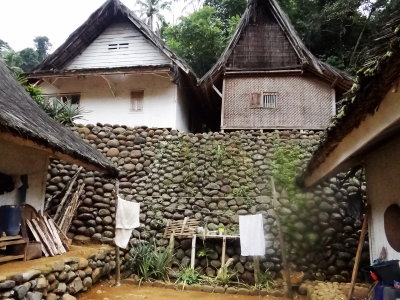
x,y
10,219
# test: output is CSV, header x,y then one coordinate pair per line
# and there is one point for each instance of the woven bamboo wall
x,y
263,45
303,103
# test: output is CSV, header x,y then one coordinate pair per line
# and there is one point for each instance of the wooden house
x,y
366,133
28,138
121,73
267,79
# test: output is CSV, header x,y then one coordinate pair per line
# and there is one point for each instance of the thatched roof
x,y
373,82
23,121
82,37
308,62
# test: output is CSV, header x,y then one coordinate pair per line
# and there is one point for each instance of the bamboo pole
x,y
256,266
286,268
117,256
358,254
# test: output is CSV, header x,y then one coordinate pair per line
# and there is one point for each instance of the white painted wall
x,y
140,51
19,160
161,107
182,110
383,188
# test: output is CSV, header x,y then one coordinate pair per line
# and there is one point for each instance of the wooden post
x,y
286,268
117,256
223,251
358,254
256,266
193,253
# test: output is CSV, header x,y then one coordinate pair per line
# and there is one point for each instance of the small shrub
x,y
150,262
187,275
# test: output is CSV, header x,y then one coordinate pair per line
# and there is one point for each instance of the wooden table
x,y
8,241
205,237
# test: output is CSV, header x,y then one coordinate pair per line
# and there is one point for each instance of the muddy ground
x,y
105,291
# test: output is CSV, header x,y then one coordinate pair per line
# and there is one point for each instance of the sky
x,y
22,20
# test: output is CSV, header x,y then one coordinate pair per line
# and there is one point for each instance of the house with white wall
x,y
28,139
120,72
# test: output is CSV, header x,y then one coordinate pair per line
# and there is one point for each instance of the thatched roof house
x,y
266,76
366,133
28,138
24,123
115,56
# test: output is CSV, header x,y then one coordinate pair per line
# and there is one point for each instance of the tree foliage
x,y
151,10
26,59
201,37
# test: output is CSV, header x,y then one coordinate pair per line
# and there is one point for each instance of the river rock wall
x,y
60,279
215,177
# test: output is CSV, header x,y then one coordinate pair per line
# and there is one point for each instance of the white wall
x,y
182,110
383,188
140,51
160,106
18,160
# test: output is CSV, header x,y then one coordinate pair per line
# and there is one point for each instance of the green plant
x,y
266,281
241,191
219,153
150,262
205,252
225,274
187,275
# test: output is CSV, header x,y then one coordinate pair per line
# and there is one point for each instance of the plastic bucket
x,y
387,271
10,219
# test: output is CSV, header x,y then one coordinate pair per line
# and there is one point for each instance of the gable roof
x,y
307,60
22,121
83,36
373,82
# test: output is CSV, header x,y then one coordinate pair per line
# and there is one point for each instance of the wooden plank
x,y
65,239
54,235
37,237
16,242
43,238
10,257
166,229
56,232
47,235
9,238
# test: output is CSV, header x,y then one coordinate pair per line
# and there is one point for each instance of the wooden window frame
x,y
64,97
267,100
136,101
117,46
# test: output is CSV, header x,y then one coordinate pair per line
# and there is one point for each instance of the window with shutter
x,y
137,101
255,100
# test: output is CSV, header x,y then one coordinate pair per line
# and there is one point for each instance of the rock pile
x,y
215,177
59,280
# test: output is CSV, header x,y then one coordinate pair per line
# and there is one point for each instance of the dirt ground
x,y
105,291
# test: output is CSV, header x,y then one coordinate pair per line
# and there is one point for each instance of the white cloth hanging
x,y
126,219
252,240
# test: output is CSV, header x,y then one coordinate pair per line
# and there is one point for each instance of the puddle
x,y
132,292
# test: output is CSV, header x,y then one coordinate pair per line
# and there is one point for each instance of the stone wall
x,y
215,177
59,279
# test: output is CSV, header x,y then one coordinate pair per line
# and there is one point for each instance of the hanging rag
x,y
252,240
126,219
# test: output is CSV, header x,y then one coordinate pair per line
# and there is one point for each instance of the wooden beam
x,y
193,253
371,127
217,91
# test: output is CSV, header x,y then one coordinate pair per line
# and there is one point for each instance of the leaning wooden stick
x,y
358,254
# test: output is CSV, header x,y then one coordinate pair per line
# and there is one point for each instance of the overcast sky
x,y
22,20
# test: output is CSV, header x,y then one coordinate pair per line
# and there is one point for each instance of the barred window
x,y
73,98
270,100
137,100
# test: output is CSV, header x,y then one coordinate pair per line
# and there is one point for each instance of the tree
x,y
30,58
151,10
13,61
4,47
42,45
198,39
